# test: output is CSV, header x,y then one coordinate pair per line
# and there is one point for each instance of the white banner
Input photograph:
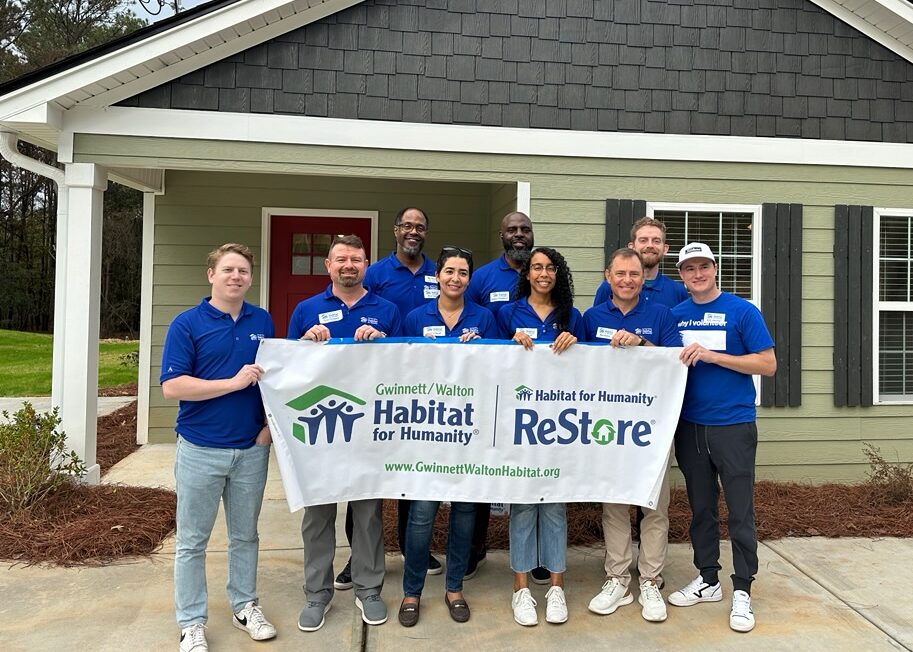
x,y
477,422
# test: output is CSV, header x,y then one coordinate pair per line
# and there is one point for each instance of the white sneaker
x,y
741,618
696,591
654,607
614,594
193,639
555,606
251,620
524,608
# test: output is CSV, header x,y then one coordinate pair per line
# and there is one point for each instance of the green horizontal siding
x,y
815,442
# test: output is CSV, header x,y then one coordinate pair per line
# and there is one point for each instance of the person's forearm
x,y
188,388
763,363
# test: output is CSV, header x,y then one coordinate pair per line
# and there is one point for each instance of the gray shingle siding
x,y
783,68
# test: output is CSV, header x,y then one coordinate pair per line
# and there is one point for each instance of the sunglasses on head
x,y
456,250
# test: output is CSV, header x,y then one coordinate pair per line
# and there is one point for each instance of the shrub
x,y
129,360
890,483
34,459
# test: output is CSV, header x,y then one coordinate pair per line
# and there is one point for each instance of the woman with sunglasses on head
x,y
451,316
543,313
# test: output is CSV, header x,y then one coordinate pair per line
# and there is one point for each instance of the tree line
x,y
33,34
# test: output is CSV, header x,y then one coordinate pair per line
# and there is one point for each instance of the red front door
x,y
298,248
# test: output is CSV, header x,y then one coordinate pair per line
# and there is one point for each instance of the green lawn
x,y
25,364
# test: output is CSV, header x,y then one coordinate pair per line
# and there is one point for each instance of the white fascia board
x,y
901,9
90,72
373,134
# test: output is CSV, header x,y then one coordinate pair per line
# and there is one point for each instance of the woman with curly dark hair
x,y
543,312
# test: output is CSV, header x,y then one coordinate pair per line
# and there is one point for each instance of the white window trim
x,y
267,214
879,306
756,247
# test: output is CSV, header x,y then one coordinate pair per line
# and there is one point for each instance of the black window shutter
x,y
620,215
853,249
781,301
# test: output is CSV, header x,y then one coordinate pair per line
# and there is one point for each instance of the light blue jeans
x,y
204,476
538,537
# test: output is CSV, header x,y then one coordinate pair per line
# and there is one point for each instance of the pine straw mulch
x,y
782,510
128,389
84,525
92,525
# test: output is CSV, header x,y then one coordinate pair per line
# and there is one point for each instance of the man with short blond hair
x,y
222,443
648,238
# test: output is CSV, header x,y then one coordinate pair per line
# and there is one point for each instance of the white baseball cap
x,y
694,250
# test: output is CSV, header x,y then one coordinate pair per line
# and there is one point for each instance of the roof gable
x,y
787,70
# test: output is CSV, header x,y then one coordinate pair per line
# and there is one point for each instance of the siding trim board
x,y
853,293
473,139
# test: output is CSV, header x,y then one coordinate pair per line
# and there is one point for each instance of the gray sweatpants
x,y
709,456
318,532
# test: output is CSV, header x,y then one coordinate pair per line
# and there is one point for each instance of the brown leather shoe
x,y
408,613
459,610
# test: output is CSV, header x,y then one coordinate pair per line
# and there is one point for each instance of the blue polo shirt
x,y
651,321
714,395
206,343
493,285
662,290
520,314
427,320
390,279
332,312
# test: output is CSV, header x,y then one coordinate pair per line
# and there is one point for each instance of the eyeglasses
x,y
449,249
407,227
538,268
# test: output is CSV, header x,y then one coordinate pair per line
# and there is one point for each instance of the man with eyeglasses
x,y
407,278
345,309
628,320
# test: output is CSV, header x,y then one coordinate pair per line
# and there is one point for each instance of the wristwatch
x,y
643,340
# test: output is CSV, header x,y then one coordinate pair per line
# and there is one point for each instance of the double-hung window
x,y
893,313
733,232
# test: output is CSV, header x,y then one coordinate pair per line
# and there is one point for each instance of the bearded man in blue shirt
x,y
345,310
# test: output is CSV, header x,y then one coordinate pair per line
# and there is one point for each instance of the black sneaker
x,y
541,575
476,560
343,581
434,566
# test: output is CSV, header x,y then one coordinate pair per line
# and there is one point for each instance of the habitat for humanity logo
x,y
326,406
524,393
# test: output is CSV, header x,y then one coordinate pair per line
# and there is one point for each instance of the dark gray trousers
x,y
708,457
318,533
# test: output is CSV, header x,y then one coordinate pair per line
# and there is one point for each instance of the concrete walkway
x,y
106,404
811,594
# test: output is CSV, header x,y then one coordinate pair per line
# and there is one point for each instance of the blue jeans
x,y
418,544
203,477
549,548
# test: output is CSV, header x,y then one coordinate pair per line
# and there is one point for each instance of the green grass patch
x,y
25,363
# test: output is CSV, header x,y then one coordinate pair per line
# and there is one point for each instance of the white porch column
x,y
85,186
145,321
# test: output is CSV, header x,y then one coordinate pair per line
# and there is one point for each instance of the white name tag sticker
x,y
532,332
431,292
434,331
715,318
330,317
430,279
713,340
604,333
495,297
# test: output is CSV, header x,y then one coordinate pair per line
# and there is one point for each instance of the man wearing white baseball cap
x,y
726,342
